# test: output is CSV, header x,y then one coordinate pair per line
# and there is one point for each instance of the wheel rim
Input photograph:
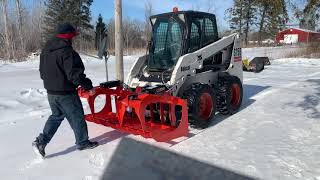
x,y
205,106
235,95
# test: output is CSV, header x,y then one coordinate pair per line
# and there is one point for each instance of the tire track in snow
x,y
274,90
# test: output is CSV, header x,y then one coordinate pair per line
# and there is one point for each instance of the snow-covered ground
x,y
276,135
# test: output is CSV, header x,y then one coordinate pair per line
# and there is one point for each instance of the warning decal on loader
x,y
237,55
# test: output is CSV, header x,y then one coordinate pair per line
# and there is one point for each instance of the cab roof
x,y
187,13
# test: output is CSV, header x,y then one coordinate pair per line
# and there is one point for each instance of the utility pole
x,y
119,40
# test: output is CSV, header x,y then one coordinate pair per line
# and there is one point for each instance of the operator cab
x,y
176,34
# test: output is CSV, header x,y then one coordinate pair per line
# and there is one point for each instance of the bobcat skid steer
x,y
188,75
188,59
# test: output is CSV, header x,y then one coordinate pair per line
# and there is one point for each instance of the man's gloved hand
x,y
92,92
86,84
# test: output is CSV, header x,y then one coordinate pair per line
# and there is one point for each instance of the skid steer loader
x,y
188,75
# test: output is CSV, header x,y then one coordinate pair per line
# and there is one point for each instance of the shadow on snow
x,y
311,101
102,139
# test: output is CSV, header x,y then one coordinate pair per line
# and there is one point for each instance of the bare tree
x,y
34,26
148,11
20,30
236,16
126,33
210,6
4,6
111,37
19,15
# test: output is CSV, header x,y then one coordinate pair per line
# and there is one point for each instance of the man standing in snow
x,y
62,71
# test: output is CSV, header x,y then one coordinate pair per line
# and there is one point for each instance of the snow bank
x,y
271,52
298,61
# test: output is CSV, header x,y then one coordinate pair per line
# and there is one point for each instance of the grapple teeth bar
x,y
160,123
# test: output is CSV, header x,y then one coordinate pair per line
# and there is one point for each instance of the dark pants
x,y
69,107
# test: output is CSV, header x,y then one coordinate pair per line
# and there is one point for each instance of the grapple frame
x,y
131,113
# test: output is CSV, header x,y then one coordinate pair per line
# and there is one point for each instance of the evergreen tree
x,y
235,16
242,16
309,16
76,12
269,16
272,17
250,10
100,31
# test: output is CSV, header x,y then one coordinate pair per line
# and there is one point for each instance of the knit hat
x,y
66,31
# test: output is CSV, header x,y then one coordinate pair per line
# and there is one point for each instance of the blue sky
x,y
135,8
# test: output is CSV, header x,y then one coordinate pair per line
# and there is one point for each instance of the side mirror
x,y
150,45
103,47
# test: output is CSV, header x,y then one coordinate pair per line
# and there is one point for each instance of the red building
x,y
296,35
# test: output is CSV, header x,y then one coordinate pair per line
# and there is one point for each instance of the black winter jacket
x,y
61,68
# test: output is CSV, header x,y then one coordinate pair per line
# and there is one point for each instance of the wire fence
x,y
308,51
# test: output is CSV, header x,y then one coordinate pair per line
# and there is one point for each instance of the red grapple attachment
x,y
161,117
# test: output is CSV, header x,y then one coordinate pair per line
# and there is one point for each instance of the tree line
x,y
76,12
267,17
25,25
136,33
20,27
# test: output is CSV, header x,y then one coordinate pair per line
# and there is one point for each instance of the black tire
x,y
230,94
257,64
202,105
259,67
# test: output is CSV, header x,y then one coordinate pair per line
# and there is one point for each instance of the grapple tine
x,y
161,123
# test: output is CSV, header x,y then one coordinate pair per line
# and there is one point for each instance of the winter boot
x,y
89,145
39,148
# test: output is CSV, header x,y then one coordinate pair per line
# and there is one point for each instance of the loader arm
x,y
188,64
136,68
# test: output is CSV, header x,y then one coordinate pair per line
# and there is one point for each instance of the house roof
x,y
299,29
